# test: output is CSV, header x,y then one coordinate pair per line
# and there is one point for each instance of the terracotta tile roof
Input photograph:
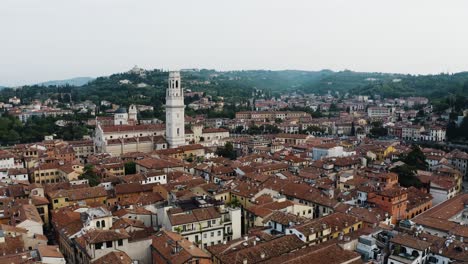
x,y
243,189
114,257
49,251
283,218
17,171
97,235
80,194
293,136
263,199
4,154
62,215
39,200
456,250
259,211
128,128
146,198
123,223
257,177
13,229
333,254
334,221
279,205
393,192
410,241
134,187
133,178
157,164
175,248
417,198
253,251
302,191
439,217
16,190
136,211
457,154
12,245
196,215
220,170
367,215
214,130
272,167
26,212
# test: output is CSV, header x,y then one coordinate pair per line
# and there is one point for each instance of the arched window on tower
x,y
178,131
103,223
177,84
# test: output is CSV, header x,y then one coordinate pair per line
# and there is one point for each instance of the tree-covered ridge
x,y
12,131
432,86
238,86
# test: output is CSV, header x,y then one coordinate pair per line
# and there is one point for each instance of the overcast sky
x,y
56,39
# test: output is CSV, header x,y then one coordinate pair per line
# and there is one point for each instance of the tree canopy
x,y
227,151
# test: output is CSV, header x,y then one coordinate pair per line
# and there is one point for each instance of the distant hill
x,y
148,87
78,81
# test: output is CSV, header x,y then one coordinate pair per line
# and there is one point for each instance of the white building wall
x,y
175,111
419,260
293,231
439,195
139,250
32,227
318,153
235,215
161,179
107,185
49,260
146,219
6,163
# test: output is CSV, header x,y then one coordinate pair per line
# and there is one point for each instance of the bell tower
x,y
175,111
133,113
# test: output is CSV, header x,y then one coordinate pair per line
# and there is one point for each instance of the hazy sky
x,y
57,39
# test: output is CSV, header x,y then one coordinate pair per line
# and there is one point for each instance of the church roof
x,y
121,110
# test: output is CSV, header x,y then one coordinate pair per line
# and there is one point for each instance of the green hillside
x,y
235,86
